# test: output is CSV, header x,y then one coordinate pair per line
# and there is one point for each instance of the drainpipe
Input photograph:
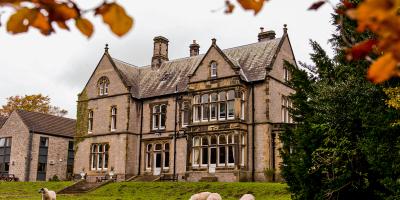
x,y
253,134
176,123
29,157
140,137
273,136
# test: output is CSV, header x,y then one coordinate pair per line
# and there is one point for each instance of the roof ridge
x,y
125,62
45,114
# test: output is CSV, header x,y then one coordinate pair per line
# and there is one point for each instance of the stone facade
x,y
25,141
235,137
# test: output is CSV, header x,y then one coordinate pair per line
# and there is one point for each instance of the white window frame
x,y
242,104
213,69
148,157
219,106
205,105
90,121
198,148
230,144
230,101
196,108
158,115
165,151
113,119
219,147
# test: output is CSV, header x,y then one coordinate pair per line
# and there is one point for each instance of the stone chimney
x,y
160,52
194,49
266,35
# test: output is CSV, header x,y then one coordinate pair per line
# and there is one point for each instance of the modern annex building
x,y
213,116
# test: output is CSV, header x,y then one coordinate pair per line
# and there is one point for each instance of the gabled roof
x,y
48,124
2,120
144,82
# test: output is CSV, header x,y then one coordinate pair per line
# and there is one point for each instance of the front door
x,y
157,163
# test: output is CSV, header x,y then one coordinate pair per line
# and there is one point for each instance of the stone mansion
x,y
207,116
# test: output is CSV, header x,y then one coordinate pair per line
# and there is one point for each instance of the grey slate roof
x,y
48,124
2,120
253,59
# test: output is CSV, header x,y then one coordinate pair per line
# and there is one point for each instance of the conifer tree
x,y
344,145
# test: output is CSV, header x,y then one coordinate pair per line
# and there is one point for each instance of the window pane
x,y
196,156
222,96
205,112
162,125
204,98
149,147
222,139
185,117
94,161
231,109
2,142
222,153
214,97
100,161
213,140
231,157
166,146
213,156
158,160
166,159
222,110
106,160
158,147
148,160
155,121
204,156
196,141
213,111
204,141
231,94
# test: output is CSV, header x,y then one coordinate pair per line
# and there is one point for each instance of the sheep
x,y
248,197
47,195
214,196
200,196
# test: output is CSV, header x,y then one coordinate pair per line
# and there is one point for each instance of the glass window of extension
x,y
5,154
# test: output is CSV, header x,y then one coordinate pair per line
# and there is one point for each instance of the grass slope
x,y
150,191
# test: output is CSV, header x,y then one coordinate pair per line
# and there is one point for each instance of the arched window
x,y
213,69
113,118
103,85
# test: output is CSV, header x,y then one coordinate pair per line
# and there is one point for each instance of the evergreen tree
x,y
344,145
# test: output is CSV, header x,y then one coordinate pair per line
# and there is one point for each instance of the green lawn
x,y
148,190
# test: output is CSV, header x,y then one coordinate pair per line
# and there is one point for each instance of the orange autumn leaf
x,y
84,26
62,25
382,69
116,17
255,5
63,12
19,21
42,23
361,49
229,7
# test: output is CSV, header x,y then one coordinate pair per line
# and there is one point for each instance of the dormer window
x,y
213,69
103,85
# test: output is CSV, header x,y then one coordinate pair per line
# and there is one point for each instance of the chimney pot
x,y
194,49
266,35
160,52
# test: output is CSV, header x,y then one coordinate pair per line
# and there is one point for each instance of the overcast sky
x,y
59,65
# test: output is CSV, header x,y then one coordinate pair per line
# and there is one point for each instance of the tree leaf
x,y
382,69
316,5
255,5
361,49
229,7
62,25
41,22
85,26
62,12
115,16
19,21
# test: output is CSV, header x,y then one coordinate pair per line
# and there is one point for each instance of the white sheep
x,y
248,197
200,196
214,196
47,194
